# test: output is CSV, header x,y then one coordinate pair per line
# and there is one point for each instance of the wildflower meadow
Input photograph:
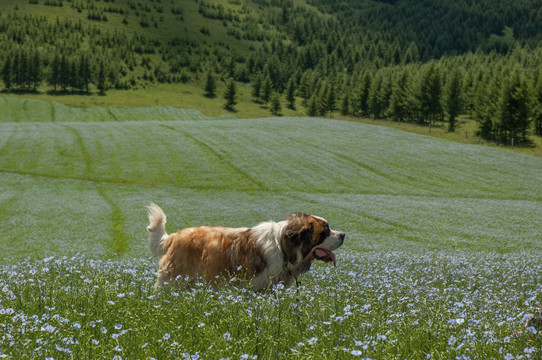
x,y
373,305
441,258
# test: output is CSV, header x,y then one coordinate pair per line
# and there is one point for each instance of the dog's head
x,y
309,237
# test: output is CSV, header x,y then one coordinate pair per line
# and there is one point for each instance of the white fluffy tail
x,y
157,230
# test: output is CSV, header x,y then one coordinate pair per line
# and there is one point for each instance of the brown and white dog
x,y
268,253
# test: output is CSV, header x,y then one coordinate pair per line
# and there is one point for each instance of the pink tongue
x,y
325,255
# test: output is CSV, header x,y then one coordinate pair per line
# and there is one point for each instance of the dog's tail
x,y
157,230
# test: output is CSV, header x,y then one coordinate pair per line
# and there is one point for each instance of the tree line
x,y
378,59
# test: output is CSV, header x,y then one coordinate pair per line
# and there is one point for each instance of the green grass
x,y
388,187
373,305
440,257
183,96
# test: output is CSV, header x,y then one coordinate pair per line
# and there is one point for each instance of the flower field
x,y
441,258
372,305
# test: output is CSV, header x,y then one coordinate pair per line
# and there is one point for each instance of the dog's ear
x,y
296,238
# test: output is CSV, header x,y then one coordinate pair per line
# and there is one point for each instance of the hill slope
x,y
71,187
381,59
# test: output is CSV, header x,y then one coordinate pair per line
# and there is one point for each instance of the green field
x,y
442,238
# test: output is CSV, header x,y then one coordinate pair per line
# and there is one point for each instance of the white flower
x,y
355,352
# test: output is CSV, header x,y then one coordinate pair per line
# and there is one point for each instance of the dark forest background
x,y
428,62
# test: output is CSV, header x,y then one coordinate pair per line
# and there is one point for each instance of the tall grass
x,y
373,305
440,260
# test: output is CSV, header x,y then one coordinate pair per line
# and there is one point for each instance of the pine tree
x,y
54,78
331,101
64,73
266,90
276,107
412,54
321,100
429,95
486,107
35,71
75,77
399,102
231,68
24,70
537,112
256,87
515,119
7,74
345,105
538,124
305,87
453,99
101,79
312,106
361,103
20,69
290,94
210,86
373,102
84,73
230,96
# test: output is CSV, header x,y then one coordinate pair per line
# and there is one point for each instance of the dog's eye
x,y
326,231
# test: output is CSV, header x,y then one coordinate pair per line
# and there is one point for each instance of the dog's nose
x,y
342,236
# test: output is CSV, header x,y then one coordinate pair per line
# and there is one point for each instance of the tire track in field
x,y
403,227
115,118
260,185
119,243
368,168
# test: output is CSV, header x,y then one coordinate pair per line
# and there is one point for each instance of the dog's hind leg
x,y
162,276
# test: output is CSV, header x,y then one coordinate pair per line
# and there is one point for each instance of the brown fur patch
x,y
303,232
211,252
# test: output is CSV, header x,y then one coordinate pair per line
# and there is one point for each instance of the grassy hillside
x,y
361,59
91,179
440,259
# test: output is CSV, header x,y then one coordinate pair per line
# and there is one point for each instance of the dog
x,y
266,254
